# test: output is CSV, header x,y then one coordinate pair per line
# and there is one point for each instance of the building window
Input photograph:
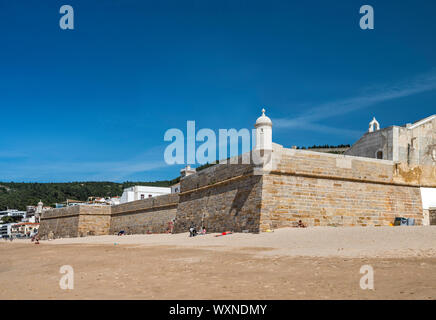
x,y
414,143
379,154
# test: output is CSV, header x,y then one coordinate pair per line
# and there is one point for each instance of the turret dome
x,y
263,120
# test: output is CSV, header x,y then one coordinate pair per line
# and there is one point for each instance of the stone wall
x,y
335,190
432,215
220,198
75,221
320,189
372,142
410,144
94,220
62,222
145,216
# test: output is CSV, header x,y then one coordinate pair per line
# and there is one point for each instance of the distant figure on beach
x,y
301,224
121,233
192,231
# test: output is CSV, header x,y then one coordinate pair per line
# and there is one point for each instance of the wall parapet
x,y
350,168
60,213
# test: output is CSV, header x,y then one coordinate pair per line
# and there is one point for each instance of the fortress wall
x,y
94,220
291,161
432,216
221,198
147,215
334,190
75,221
63,222
320,189
422,175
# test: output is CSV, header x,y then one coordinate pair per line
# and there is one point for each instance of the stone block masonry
x,y
75,221
152,215
320,189
220,198
335,190
324,202
432,214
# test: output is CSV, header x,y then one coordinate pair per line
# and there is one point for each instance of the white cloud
x,y
373,96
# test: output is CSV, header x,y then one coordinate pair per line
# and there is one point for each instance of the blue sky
x,y
93,103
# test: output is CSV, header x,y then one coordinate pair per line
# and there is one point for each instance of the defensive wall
x,y
151,215
432,213
220,198
75,221
336,190
320,189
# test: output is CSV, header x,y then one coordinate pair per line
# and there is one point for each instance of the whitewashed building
x,y
142,192
13,213
428,201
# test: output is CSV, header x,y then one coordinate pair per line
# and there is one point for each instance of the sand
x,y
290,263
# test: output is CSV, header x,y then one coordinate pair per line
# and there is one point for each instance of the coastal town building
x,y
24,228
142,192
12,213
5,230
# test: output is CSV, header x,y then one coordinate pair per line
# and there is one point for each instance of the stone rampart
x,y
220,198
75,221
335,190
151,215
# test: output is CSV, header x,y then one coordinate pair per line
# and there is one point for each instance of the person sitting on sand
x,y
202,232
301,224
121,233
192,231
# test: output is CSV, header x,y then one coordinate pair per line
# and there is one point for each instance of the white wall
x,y
135,193
428,198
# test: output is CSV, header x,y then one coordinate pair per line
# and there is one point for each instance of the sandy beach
x,y
289,263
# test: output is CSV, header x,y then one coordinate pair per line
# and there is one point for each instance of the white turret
x,y
263,132
38,212
39,207
372,124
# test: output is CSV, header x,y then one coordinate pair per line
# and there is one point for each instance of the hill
x,y
15,195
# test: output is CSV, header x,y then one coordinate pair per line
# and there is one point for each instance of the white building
x,y
428,201
5,230
186,171
113,201
142,192
175,188
13,213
